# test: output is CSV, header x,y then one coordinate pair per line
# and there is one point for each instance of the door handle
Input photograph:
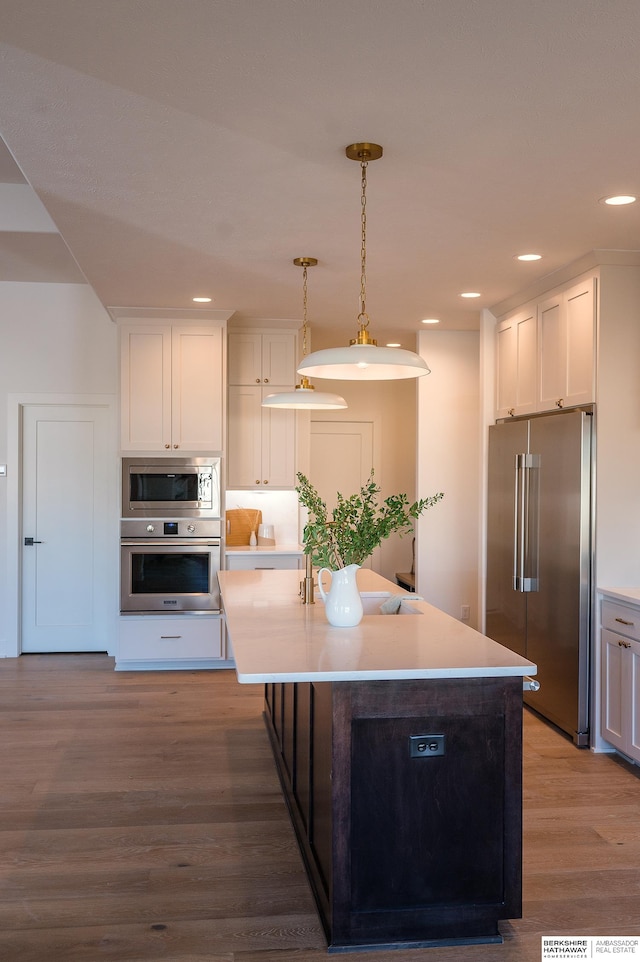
x,y
525,546
518,524
30,541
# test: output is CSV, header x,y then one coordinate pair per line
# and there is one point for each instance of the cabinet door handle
x,y
265,482
266,380
624,644
257,380
167,445
621,621
163,637
560,402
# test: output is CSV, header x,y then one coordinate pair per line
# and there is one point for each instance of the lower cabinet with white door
x,y
620,675
152,643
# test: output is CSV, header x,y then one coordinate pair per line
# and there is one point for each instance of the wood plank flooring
x,y
141,820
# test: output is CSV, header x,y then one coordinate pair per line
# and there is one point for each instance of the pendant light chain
x,y
363,360
304,310
363,317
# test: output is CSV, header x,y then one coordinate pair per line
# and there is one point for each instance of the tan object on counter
x,y
240,523
266,542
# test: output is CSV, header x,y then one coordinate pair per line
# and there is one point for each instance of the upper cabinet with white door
x,y
545,352
267,358
261,446
172,386
566,327
517,363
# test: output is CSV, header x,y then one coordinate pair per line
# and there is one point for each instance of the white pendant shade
x,y
305,399
364,362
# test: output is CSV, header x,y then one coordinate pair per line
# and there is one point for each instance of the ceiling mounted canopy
x,y
305,397
363,360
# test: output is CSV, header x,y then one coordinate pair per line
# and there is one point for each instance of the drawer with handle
x,y
622,619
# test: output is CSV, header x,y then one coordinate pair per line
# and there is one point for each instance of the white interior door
x,y
341,458
65,494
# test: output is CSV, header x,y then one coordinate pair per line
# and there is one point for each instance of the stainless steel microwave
x,y
171,487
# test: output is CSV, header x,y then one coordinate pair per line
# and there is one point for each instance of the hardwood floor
x,y
141,819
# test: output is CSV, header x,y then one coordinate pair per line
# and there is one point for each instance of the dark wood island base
x,y
406,799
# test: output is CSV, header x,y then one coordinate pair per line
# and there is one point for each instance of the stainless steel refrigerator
x,y
539,556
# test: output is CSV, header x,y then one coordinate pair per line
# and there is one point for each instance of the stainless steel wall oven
x,y
169,566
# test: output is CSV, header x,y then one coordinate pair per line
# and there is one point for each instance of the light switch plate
x,y
3,470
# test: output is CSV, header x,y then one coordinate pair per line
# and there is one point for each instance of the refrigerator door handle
x,y
525,553
518,559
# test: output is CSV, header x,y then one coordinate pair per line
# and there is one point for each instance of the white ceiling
x,y
197,146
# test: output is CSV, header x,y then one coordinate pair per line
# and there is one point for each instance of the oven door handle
x,y
182,543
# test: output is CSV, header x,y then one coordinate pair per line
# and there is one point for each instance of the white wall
x,y
618,428
56,339
449,461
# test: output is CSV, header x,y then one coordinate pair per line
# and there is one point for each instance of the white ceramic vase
x,y
342,603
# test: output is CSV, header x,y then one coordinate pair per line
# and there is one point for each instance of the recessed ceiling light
x,y
528,257
430,320
619,200
201,300
470,294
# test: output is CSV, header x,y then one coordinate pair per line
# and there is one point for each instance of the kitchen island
x,y
399,748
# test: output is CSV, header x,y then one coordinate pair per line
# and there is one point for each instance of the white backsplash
x,y
279,508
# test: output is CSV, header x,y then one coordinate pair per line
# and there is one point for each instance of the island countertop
x,y
276,638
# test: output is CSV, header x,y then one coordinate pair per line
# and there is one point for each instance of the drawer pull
x,y
624,644
623,622
163,637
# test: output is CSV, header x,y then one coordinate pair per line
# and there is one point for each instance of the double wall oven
x,y
170,535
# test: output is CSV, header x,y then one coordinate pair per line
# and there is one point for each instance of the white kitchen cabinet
x,y
545,353
261,442
517,363
262,358
620,677
147,642
171,388
566,331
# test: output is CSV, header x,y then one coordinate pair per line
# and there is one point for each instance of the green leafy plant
x,y
358,524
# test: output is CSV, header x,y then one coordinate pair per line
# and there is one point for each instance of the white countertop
x,y
281,549
276,638
630,595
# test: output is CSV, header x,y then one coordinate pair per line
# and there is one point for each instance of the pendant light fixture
x,y
363,360
305,397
